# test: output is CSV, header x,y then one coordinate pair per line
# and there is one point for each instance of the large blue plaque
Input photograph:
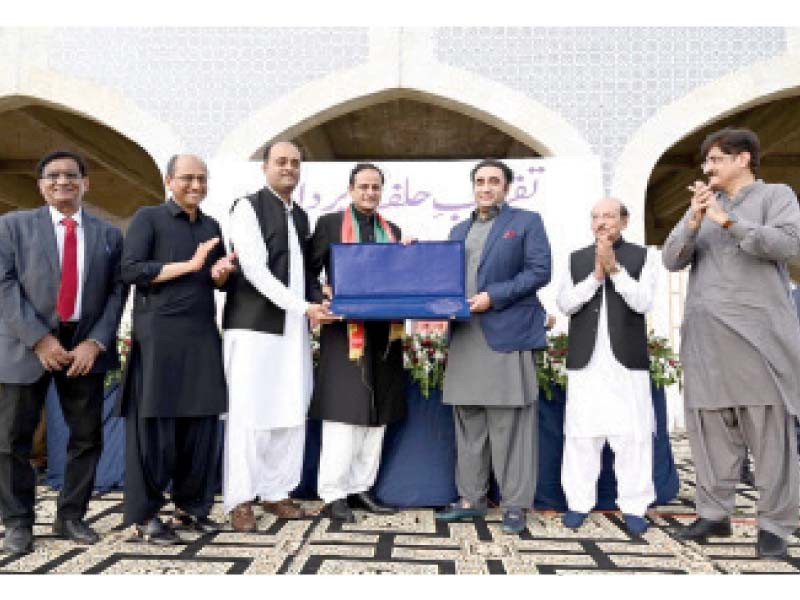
x,y
422,280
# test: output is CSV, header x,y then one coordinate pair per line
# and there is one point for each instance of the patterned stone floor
x,y
411,542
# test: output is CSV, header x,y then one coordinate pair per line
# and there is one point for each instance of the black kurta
x,y
370,392
174,386
177,348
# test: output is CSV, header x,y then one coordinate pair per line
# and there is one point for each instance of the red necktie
x,y
68,288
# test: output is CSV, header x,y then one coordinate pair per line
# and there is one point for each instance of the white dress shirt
x,y
605,398
60,230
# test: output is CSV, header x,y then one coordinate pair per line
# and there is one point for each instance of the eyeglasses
x,y
188,179
715,159
54,176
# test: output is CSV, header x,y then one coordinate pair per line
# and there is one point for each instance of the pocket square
x,y
509,233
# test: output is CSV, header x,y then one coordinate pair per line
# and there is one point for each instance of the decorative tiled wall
x,y
205,81
606,81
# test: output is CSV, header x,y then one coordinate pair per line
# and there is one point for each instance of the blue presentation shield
x,y
422,280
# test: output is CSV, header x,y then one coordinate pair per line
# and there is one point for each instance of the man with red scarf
x,y
359,386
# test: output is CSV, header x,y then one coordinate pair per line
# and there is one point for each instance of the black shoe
x,y
183,520
156,532
704,528
365,501
18,540
513,520
770,545
76,530
746,474
339,511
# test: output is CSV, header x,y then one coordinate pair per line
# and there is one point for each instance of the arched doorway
x,y
123,175
777,124
408,129
663,156
448,95
704,108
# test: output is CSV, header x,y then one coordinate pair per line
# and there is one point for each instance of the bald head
x,y
173,162
609,218
187,180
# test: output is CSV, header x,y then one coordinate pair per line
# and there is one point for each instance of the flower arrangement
x,y
124,344
551,364
665,368
425,357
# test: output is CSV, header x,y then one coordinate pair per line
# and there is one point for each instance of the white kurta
x,y
269,377
607,402
605,398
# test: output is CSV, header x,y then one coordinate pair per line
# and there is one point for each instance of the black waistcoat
x,y
626,327
245,307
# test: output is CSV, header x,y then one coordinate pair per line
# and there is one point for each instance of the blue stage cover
x,y
111,468
418,462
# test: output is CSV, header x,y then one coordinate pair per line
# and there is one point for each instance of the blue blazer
x,y
515,263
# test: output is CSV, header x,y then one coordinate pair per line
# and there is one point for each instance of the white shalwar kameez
x,y
349,461
269,377
608,402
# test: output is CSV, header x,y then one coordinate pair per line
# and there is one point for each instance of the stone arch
x,y
123,175
125,163
317,102
756,85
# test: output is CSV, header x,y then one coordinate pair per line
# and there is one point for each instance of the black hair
x,y
493,162
364,167
55,155
734,141
269,147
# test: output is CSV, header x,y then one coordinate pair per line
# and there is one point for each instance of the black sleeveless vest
x,y
245,307
626,328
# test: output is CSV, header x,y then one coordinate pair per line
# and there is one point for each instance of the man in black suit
x,y
61,299
357,392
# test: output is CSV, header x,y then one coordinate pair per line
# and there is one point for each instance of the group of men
x,y
63,278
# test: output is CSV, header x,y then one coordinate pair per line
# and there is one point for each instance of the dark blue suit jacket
x,y
514,265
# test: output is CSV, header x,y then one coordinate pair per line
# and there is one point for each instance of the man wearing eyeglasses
x,y
61,298
174,390
740,339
